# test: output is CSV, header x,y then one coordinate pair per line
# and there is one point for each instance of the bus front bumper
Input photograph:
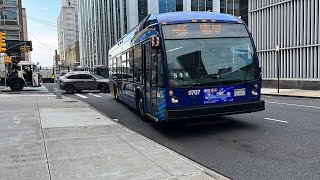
x,y
214,110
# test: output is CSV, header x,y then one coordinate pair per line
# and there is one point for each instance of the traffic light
x,y
3,46
23,48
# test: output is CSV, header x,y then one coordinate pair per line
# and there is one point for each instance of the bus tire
x,y
16,85
140,108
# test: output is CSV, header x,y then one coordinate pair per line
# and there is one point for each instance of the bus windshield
x,y
209,56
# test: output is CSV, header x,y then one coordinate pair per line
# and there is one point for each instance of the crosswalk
x,y
94,95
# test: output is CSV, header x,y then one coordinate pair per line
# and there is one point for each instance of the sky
x,y
43,35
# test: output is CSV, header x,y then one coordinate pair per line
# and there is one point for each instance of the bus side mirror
x,y
155,42
260,71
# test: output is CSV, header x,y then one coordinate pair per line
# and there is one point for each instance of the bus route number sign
x,y
155,42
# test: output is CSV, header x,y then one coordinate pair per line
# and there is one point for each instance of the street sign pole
x,y
278,66
56,76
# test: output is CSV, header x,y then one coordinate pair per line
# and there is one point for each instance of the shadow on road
x,y
199,127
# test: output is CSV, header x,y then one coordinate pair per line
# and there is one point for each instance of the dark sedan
x,y
72,82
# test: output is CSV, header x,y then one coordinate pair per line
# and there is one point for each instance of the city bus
x,y
187,65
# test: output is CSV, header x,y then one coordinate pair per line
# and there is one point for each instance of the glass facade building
x,y
103,23
11,20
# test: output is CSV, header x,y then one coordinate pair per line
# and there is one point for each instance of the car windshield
x,y
212,61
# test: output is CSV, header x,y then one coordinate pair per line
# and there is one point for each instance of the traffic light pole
x,y
56,76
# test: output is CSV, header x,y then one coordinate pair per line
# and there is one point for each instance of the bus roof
x,y
171,18
184,17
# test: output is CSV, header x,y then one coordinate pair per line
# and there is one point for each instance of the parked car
x,y
76,82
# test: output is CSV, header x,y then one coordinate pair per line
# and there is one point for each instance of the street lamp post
x,y
56,76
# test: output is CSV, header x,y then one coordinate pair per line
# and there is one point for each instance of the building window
x,y
9,2
201,5
209,5
230,7
179,5
170,5
143,9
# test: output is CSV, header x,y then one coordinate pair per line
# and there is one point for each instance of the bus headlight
x,y
174,100
254,92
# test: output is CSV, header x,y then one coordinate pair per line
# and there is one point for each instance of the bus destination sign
x,y
204,30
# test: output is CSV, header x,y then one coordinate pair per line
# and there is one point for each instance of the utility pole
x,y
56,76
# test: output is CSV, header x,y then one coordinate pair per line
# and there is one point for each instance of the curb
x,y
285,95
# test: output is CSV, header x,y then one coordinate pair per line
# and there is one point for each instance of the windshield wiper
x,y
216,76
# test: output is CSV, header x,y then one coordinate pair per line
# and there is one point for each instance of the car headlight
x,y
174,100
254,92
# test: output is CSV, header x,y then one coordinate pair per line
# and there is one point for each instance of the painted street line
x,y
84,97
298,105
109,94
276,120
95,95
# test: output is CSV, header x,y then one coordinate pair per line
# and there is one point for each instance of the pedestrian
x,y
52,78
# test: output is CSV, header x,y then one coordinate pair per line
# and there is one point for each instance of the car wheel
x,y
69,89
16,85
103,88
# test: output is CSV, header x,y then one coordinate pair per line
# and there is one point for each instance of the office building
x,y
68,34
287,36
13,22
102,23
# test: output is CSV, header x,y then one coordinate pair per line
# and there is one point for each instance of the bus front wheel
x,y
140,108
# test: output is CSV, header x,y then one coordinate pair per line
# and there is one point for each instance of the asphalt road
x,y
281,142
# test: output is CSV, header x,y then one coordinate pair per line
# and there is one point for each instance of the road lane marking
x,y
298,105
95,95
84,97
276,120
109,94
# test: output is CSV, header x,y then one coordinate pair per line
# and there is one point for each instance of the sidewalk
x,y
29,90
291,92
42,137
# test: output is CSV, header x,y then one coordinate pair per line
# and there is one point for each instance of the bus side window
x,y
160,74
119,67
130,65
124,66
137,64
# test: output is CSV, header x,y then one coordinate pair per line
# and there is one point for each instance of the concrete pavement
x,y
42,137
291,92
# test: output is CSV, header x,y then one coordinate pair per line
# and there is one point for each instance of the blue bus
x,y
182,65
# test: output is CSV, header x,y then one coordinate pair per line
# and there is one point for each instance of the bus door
x,y
151,83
